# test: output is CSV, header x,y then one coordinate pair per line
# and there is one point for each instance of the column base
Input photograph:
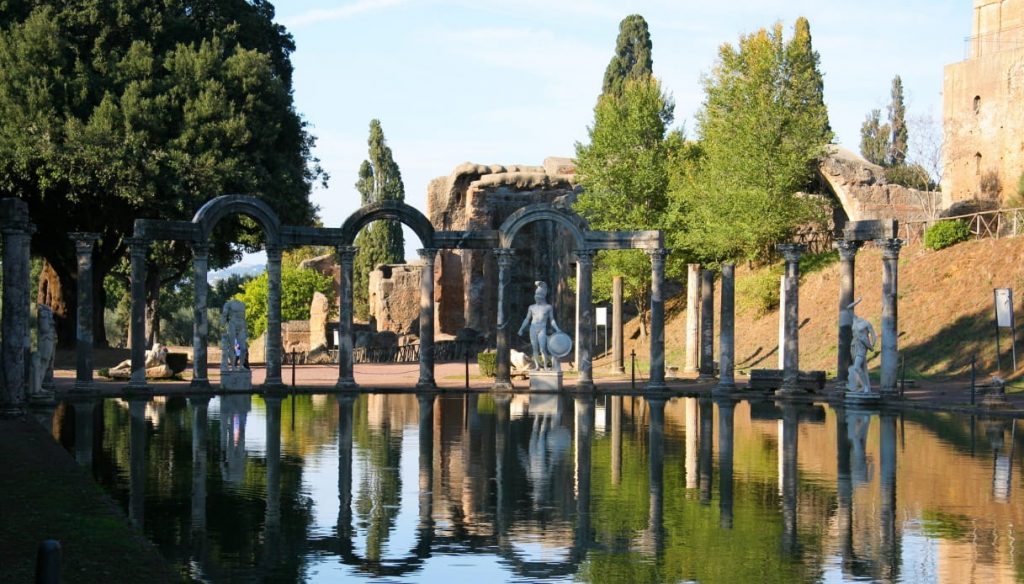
x,y
426,384
619,370
346,383
502,386
790,391
655,386
136,386
82,386
862,397
199,382
724,388
706,377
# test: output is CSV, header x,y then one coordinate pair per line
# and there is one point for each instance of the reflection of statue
x,y
234,344
863,340
537,317
42,361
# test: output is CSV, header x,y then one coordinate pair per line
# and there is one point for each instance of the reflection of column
x,y
272,541
617,345
137,459
727,331
890,294
791,360
426,462
844,489
503,378
692,328
616,428
200,315
14,342
656,474
692,432
704,463
726,411
889,543
273,351
707,324
346,257
344,529
504,457
84,243
139,247
847,272
585,325
84,410
427,318
200,406
657,375
1002,459
584,449
789,479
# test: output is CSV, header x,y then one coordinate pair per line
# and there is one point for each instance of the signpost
x,y
1003,299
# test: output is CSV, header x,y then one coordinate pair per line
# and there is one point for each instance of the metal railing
x,y
994,224
410,353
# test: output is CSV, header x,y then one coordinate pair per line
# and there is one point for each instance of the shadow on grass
x,y
948,352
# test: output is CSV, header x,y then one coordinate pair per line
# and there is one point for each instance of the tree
x,y
112,111
381,242
874,138
762,128
897,155
297,289
632,58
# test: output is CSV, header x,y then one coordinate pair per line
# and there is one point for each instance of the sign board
x,y
602,316
1004,307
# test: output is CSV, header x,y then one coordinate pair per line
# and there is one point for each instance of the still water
x,y
482,488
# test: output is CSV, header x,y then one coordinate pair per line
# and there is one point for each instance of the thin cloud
x,y
322,15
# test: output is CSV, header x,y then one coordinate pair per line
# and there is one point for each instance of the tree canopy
x,y
898,124
632,59
297,288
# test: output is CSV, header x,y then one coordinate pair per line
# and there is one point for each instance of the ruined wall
x,y
395,298
864,193
477,196
982,116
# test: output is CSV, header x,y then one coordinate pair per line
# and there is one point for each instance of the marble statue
x,y
156,365
864,339
42,361
234,343
537,318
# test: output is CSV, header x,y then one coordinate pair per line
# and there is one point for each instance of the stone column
x,y
426,380
727,332
617,344
726,423
847,255
707,324
657,375
692,318
890,291
138,249
503,379
16,313
84,243
791,366
273,352
585,324
346,258
200,315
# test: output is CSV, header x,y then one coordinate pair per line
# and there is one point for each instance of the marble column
x,y
727,332
655,533
200,433
200,315
273,378
139,247
847,272
692,360
791,367
617,344
137,439
890,296
585,325
17,234
503,379
426,380
84,243
657,375
726,424
346,259
707,324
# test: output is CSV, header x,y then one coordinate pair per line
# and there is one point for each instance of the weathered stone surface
x,y
318,309
395,298
240,379
864,193
326,264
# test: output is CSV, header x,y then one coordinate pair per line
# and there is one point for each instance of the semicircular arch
x,y
576,225
394,210
217,208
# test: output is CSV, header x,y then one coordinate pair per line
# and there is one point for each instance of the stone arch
x,y
394,210
576,225
217,208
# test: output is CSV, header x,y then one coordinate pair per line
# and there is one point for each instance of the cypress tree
x,y
381,242
632,58
897,155
874,138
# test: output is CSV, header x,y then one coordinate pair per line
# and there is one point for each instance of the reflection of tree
x,y
380,490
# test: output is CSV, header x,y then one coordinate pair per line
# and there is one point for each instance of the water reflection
x,y
436,487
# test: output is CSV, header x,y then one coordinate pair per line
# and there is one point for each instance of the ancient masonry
x,y
863,192
982,115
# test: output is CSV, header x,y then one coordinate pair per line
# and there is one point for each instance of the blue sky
x,y
515,82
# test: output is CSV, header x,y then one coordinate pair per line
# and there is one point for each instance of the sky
x,y
514,82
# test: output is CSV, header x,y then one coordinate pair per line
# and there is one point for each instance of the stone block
x,y
545,380
236,379
871,229
769,379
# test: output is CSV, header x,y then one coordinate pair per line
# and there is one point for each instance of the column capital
x,y
84,241
848,248
585,256
890,247
791,251
17,228
273,252
659,254
200,248
428,254
137,245
505,256
346,253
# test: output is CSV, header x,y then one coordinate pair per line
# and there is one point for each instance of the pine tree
x,y
897,155
632,58
874,138
381,242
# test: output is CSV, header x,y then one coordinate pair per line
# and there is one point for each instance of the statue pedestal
x,y
235,379
545,380
863,397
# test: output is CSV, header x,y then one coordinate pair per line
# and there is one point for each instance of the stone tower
x,y
982,115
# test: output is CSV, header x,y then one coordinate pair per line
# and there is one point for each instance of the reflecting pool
x,y
488,488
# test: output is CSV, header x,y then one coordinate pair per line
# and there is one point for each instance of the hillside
x,y
945,311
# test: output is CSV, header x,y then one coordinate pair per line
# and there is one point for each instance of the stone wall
x,y
395,298
478,196
981,107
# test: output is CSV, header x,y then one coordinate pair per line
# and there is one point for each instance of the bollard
x,y
293,367
974,359
48,562
467,367
632,368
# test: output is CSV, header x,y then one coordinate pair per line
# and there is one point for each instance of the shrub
x,y
946,233
759,292
488,363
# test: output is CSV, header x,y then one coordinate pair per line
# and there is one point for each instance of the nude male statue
x,y
537,317
234,344
864,339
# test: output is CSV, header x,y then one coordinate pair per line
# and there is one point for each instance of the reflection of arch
x,y
576,225
215,209
394,210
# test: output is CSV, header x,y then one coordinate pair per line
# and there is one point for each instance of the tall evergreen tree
x,y
897,155
874,138
632,58
381,242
